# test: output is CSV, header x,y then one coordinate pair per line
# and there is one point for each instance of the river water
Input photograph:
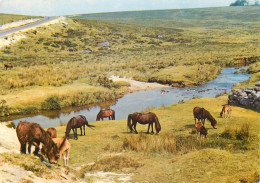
x,y
143,100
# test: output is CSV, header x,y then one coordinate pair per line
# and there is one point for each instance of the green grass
x,y
175,154
144,45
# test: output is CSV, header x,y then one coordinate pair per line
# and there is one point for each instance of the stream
x,y
141,101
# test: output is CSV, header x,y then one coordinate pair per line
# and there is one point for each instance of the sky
x,y
70,7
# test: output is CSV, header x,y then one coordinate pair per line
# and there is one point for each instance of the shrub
x,y
29,110
51,103
119,84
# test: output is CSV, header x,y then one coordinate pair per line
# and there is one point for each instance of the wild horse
x,y
107,113
77,122
34,134
202,114
143,118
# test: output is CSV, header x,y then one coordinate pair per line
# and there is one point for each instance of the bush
x,y
119,84
51,103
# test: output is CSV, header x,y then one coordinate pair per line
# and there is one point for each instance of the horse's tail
x,y
129,125
113,116
88,125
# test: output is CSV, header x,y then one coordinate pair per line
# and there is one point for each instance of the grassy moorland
x,y
8,18
229,154
82,51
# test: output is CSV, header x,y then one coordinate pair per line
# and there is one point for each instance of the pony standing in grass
x,y
143,118
77,122
202,114
226,110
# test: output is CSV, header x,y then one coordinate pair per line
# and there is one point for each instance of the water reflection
x,y
142,100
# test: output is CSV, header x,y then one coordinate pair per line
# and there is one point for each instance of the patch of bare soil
x,y
138,85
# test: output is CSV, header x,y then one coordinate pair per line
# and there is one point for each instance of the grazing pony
x,y
143,118
52,132
201,129
201,114
226,110
106,114
77,122
64,147
8,65
34,134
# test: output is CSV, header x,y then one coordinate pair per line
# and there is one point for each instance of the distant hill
x,y
7,18
180,17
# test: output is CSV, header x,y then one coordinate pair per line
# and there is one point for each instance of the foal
x,y
201,130
226,110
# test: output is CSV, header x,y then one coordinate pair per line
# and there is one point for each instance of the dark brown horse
x,y
107,113
143,118
77,122
34,134
202,114
52,132
8,65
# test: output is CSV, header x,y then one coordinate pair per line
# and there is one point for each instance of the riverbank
x,y
111,153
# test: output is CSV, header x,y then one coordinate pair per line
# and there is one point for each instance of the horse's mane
x,y
46,138
157,124
68,127
210,118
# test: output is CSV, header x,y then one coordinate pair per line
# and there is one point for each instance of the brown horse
x,y
77,122
34,134
202,114
201,129
8,65
226,110
106,114
143,118
64,146
52,132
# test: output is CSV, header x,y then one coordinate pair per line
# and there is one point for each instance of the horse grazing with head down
x,y
107,113
8,65
34,134
143,118
64,146
202,114
77,122
226,110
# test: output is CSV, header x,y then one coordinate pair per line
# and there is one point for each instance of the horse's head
x,y
52,153
99,116
157,125
214,123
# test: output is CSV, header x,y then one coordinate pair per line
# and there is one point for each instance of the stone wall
x,y
248,97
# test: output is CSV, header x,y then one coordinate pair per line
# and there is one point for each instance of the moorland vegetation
x,y
72,61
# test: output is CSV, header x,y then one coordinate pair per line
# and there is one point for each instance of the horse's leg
x,y
152,128
148,128
81,130
37,148
135,127
84,130
76,134
29,148
23,148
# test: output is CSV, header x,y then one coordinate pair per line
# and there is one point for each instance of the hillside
x,y
150,46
